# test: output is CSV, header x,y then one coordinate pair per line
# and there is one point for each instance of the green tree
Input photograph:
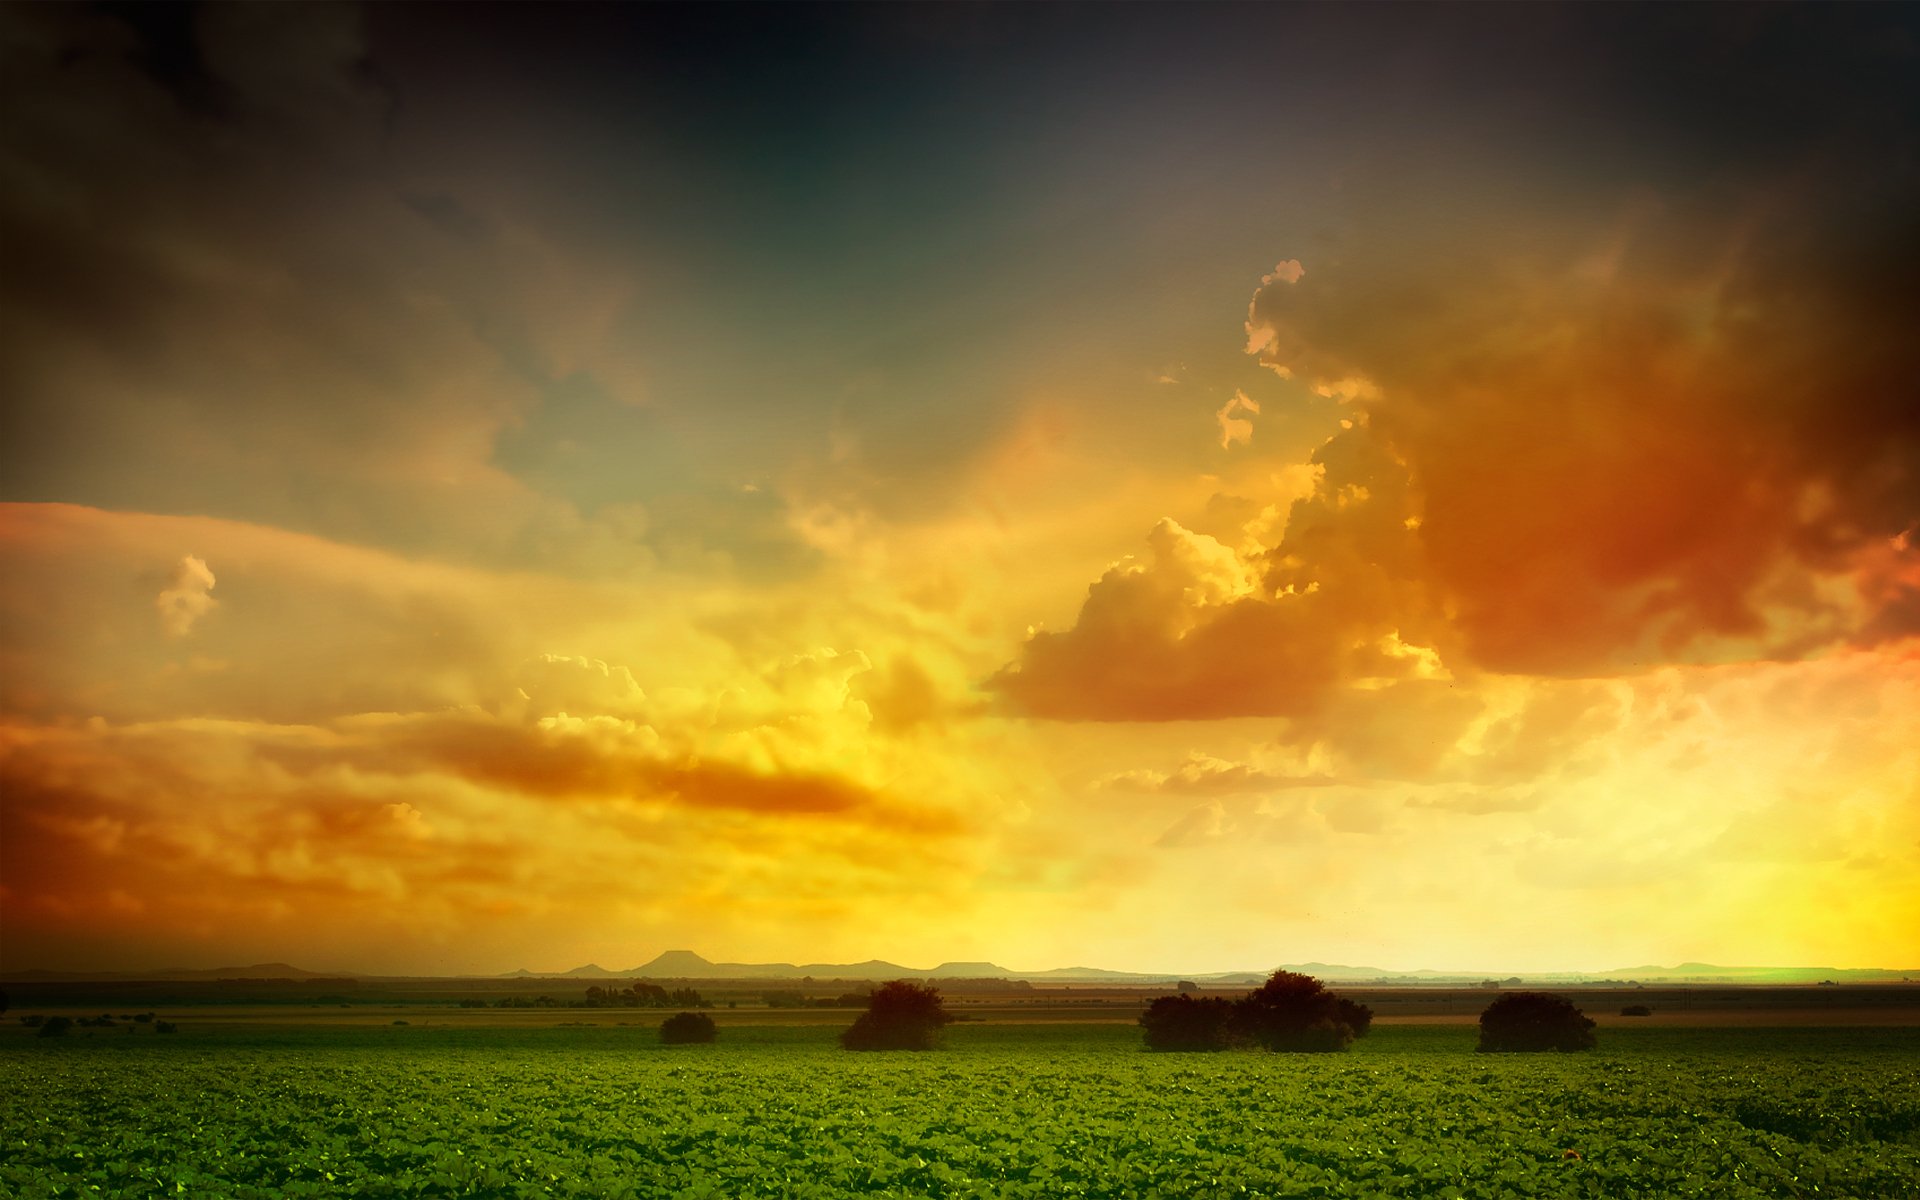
x,y
1534,1021
900,1016
1295,1012
687,1028
1187,1022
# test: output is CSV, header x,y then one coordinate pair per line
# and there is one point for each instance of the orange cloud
x,y
1543,468
1236,429
185,599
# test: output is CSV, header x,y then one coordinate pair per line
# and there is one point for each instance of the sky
x,y
1163,488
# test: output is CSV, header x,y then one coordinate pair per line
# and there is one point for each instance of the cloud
x,y
1190,633
222,302
1641,465
185,599
553,684
1202,629
479,824
1203,774
1202,824
1236,429
1260,334
1547,464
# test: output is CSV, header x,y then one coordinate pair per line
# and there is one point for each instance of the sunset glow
x,y
1154,489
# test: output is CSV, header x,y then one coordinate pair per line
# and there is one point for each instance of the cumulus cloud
x,y
555,684
1236,429
1202,629
1648,465
1188,633
1260,334
1544,468
185,599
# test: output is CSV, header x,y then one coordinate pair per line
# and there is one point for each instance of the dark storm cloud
x,y
1632,381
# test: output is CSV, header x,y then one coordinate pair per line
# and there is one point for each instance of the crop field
x,y
1004,1110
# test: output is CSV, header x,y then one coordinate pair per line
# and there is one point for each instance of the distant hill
x,y
685,964
184,974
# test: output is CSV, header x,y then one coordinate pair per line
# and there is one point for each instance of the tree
x,y
1534,1021
1188,1022
1289,1012
900,1016
1295,1012
687,1028
1354,1015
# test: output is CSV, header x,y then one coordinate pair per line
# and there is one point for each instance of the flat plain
x,y
1025,1099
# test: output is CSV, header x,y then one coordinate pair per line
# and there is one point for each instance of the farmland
x,y
238,1106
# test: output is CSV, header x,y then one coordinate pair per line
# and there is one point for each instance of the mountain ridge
x,y
688,965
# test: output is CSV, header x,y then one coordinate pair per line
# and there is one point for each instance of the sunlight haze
x,y
1154,489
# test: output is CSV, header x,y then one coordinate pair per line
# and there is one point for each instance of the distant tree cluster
x,y
789,998
49,1027
638,994
900,1016
641,994
1534,1021
1289,1012
687,1028
514,1002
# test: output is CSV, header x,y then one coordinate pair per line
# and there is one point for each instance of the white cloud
x,y
185,599
1236,429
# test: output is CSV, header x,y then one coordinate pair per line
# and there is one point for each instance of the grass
x,y
245,1109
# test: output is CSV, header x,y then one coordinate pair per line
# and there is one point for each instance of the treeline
x,y
1293,1012
50,1027
1289,1011
791,999
638,994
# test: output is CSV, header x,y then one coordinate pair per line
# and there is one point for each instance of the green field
x,y
1005,1110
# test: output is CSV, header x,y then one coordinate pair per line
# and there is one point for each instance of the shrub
x,y
55,1027
1294,1012
687,1028
164,1027
1532,1021
1354,1015
1636,1010
900,1016
1187,1022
